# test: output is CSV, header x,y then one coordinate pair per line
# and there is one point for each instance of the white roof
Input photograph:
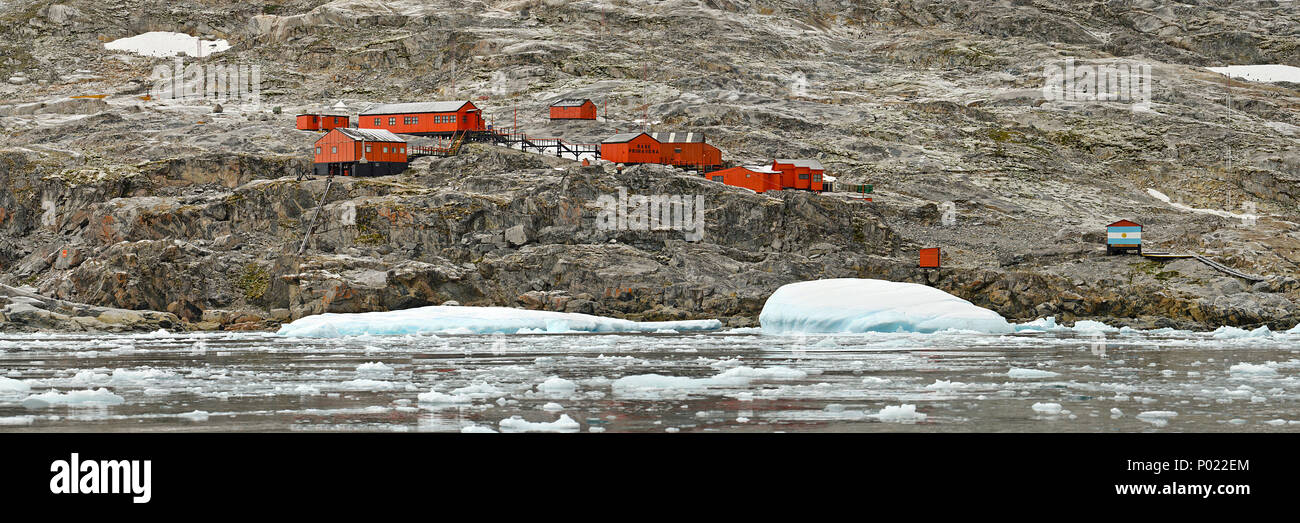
x,y
811,164
678,137
622,138
415,107
765,169
828,178
370,135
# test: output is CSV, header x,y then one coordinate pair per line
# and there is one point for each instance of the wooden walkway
x,y
1211,263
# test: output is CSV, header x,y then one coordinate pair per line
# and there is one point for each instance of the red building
x,y
687,150
321,122
573,109
424,118
757,178
929,258
630,148
800,173
359,152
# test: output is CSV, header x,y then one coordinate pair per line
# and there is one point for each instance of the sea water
x,y
1060,380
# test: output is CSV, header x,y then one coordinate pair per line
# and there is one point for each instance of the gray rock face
x,y
24,311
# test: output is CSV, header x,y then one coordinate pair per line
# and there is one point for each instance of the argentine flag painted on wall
x,y
1124,235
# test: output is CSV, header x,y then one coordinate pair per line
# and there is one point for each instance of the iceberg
x,y
451,319
850,305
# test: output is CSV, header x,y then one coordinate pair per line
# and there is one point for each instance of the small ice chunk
x,y
905,413
12,385
373,368
101,396
557,386
518,424
436,398
1251,370
1047,408
1031,373
196,416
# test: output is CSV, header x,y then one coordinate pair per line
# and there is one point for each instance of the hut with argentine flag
x,y
1123,236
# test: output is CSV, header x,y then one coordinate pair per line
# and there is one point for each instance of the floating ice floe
x,y
1031,373
1047,408
1251,370
101,396
848,305
518,424
12,385
434,397
899,414
474,320
164,43
197,416
654,384
1227,332
1092,326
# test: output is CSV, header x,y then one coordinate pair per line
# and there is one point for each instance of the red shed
x,y
758,178
424,118
687,150
321,122
359,152
929,258
573,109
630,148
800,173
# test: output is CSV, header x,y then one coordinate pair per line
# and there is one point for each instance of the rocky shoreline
x,y
506,228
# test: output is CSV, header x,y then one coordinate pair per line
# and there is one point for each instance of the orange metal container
x,y
930,258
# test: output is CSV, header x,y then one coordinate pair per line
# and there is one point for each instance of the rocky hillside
x,y
113,200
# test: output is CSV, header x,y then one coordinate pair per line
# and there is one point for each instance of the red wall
x,y
642,149
742,177
586,111
468,118
350,150
316,122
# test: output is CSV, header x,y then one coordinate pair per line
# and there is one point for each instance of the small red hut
x,y
321,122
687,150
630,148
424,118
573,109
758,178
359,152
803,174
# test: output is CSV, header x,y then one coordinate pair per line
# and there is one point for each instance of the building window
x,y
334,149
318,150
415,120
392,120
385,149
377,124
817,177
367,147
678,150
803,177
338,121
